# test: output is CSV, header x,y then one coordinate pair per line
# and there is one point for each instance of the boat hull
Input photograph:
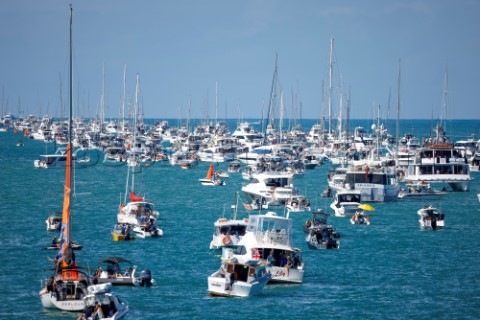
x,y
50,301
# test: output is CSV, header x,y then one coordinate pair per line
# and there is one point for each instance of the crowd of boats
x,y
259,249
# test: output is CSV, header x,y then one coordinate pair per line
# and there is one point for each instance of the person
x,y
283,261
296,260
270,259
98,313
87,313
288,265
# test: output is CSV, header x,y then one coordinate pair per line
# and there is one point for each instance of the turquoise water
x,y
388,270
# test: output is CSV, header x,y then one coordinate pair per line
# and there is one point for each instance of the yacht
x,y
442,165
346,202
376,184
268,239
274,188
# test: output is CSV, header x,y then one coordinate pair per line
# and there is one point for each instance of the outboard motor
x,y
145,278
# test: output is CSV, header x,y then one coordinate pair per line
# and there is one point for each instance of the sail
x,y
64,256
210,172
134,197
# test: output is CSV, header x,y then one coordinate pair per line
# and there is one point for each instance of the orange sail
x,y
210,172
64,252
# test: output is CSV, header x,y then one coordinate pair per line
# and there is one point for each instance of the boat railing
x,y
274,237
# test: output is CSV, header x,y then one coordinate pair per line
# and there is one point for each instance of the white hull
x,y
218,287
49,301
283,275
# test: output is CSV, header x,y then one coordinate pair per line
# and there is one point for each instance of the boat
x,y
55,245
228,232
298,204
274,187
20,143
345,202
66,288
122,272
420,190
148,230
123,232
336,178
222,174
100,297
376,184
237,279
439,163
135,211
320,235
54,221
234,166
431,218
269,240
360,217
211,178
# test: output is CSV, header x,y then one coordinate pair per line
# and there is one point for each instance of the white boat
x,y
431,218
237,279
148,229
346,202
269,240
360,217
54,221
234,166
377,184
59,159
298,204
274,187
67,287
336,178
122,272
440,164
420,190
228,232
101,297
211,178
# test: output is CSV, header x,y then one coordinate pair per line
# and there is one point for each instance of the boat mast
x,y
330,88
398,107
444,101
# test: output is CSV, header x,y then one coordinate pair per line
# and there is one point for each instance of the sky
x,y
216,58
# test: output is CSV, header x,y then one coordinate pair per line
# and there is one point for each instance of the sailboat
x,y
211,178
138,212
67,287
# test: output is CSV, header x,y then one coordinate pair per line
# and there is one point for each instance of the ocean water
x,y
388,270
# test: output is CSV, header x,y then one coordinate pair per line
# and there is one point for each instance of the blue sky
x,y
183,49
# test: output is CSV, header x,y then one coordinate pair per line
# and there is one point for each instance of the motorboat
x,y
298,204
322,237
273,186
54,221
336,178
234,166
237,279
431,218
345,202
420,190
123,232
100,296
228,232
360,217
122,272
376,184
148,230
441,164
211,178
269,240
